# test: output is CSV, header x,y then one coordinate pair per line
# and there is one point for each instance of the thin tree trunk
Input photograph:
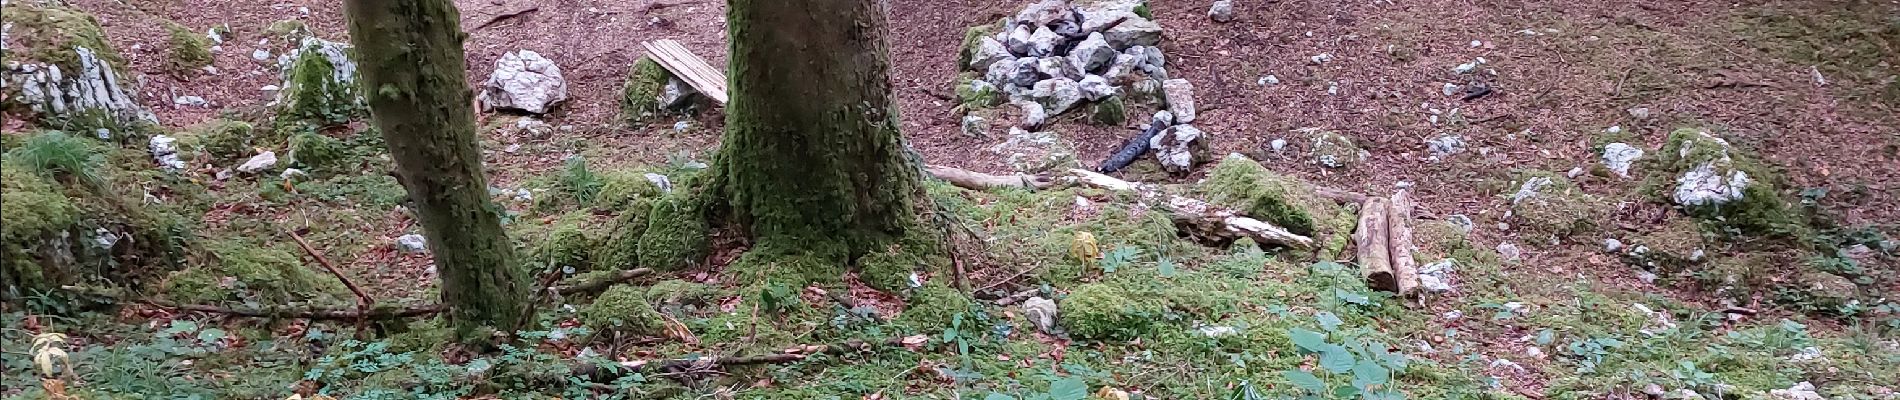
x,y
411,60
812,157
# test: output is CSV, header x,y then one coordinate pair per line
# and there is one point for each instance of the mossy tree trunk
x,y
812,159
411,60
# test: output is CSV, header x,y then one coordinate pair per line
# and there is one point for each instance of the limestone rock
x,y
1093,54
165,152
1035,152
1095,88
999,73
1041,313
258,163
412,244
320,81
1180,148
1134,30
1707,185
1445,146
1221,11
1057,67
1043,42
1043,12
988,51
975,126
1180,99
523,80
677,94
1018,41
1333,150
1122,70
1056,94
1033,113
96,88
1620,156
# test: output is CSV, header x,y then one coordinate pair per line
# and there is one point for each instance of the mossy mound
x,y
68,218
189,50
1100,311
640,96
52,33
919,252
973,40
219,141
626,189
933,307
975,94
36,215
676,291
1110,111
622,308
1675,246
1717,182
1550,206
1289,202
620,247
316,151
676,233
1334,150
567,247
242,271
320,86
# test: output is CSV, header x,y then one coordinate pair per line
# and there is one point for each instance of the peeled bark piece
x,y
980,181
1374,246
1398,223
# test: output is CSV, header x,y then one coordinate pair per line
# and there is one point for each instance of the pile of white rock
x,y
1056,55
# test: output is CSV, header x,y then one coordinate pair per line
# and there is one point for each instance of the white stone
x,y
1221,11
1095,88
659,181
1702,185
47,90
1180,148
1018,41
1509,251
1800,391
975,126
1163,118
165,152
260,162
1451,89
1436,276
1530,188
1269,80
260,55
412,243
1133,29
677,94
1092,54
1612,245
999,73
1620,156
290,173
1057,67
523,80
1321,58
1043,42
1041,313
1034,115
1180,94
988,51
1034,152
1057,94
1445,146
193,101
1278,144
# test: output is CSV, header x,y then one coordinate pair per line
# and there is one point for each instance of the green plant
x,y
578,181
1591,353
1369,367
59,156
1119,257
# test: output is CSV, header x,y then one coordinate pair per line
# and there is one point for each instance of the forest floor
x,y
1808,87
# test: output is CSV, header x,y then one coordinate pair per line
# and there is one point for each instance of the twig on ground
x,y
362,299
506,15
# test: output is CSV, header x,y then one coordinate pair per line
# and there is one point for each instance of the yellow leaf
x,y
1084,247
1111,393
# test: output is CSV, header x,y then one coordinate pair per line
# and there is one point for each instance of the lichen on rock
x,y
1715,180
320,84
63,72
1333,150
1550,205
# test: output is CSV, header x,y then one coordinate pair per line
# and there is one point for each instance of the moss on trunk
x,y
413,70
812,157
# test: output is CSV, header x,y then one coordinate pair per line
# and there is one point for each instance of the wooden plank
x,y
683,63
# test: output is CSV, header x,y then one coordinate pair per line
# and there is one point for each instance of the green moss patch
x,y
189,51
1693,153
676,235
317,151
219,141
1548,205
1289,202
622,308
316,91
53,32
249,272
640,96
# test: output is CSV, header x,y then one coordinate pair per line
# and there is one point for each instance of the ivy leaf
x,y
1368,373
999,396
1069,389
1328,321
1304,380
211,335
1166,266
1345,392
1351,297
1307,340
1544,337
1337,359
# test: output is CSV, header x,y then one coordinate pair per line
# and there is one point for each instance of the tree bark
x,y
1398,223
1374,248
412,67
812,158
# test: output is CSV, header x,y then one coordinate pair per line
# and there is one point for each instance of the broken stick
x,y
1196,216
1398,223
980,181
1374,248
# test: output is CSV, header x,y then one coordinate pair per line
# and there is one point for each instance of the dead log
x,y
1398,223
1374,247
1196,216
611,371
980,181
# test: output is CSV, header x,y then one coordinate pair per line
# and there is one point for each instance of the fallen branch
x,y
363,300
607,373
1374,246
1399,229
601,283
325,314
1196,216
506,15
1340,196
980,181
